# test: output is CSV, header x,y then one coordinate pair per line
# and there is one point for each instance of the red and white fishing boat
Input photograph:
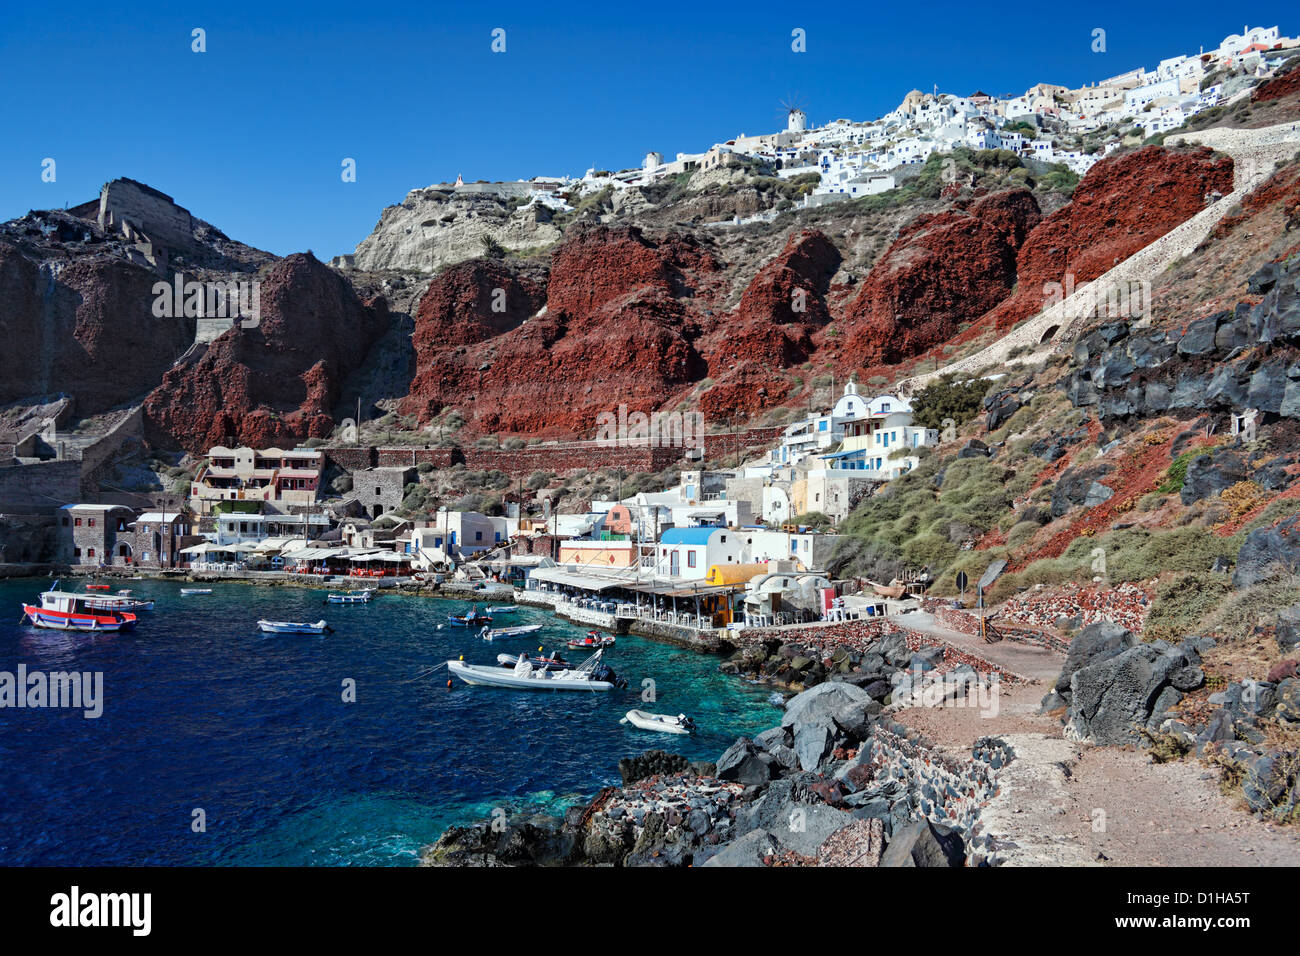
x,y
66,611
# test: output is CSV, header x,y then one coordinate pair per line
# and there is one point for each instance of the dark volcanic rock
x,y
1268,552
924,844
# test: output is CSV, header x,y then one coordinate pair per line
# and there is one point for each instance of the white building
x,y
690,552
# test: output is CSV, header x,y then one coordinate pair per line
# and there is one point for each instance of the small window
x,y
78,522
90,552
690,559
65,521
91,522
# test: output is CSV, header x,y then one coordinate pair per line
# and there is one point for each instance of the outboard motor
x,y
604,672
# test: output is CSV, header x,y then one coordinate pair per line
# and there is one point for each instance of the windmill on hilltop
x,y
796,120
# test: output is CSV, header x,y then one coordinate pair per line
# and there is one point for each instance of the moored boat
x,y
121,601
492,633
97,587
663,723
502,609
552,663
293,627
472,619
594,639
66,611
188,591
590,675
351,597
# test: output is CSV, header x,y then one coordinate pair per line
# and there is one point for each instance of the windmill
x,y
796,120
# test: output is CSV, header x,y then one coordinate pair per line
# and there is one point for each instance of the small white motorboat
x,y
351,597
555,663
492,633
196,590
590,675
681,724
502,609
293,627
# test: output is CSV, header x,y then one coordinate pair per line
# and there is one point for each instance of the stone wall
x,y
558,457
40,485
153,212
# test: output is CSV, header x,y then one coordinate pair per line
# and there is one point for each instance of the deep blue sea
x,y
202,711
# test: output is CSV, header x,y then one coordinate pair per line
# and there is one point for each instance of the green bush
x,y
959,401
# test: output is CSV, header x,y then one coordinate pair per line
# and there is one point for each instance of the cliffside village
x,y
720,546
853,159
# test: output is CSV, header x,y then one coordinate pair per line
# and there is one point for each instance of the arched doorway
x,y
1047,336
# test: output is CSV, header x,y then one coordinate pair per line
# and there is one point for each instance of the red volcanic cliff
x,y
276,383
88,331
1124,203
942,270
616,329
771,329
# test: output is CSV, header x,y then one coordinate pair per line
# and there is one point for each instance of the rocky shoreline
x,y
837,783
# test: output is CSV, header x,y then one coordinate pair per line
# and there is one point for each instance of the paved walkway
x,y
1037,663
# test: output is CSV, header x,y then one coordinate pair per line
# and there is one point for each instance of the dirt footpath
x,y
1064,803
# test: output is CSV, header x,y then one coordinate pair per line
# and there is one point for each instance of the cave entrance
x,y
1047,336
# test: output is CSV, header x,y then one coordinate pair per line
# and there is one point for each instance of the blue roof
x,y
688,535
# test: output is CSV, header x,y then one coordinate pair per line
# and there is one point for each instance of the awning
x,y
860,452
584,582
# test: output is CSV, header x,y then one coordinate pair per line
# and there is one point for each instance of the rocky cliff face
x,y
616,328
84,328
433,228
771,329
275,383
1124,203
941,270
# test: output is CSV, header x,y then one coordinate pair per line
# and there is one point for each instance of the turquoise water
x,y
203,712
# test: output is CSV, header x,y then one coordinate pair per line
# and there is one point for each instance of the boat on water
x,y
502,609
68,611
351,597
663,723
590,675
594,639
97,587
293,627
121,601
553,663
196,591
492,633
472,619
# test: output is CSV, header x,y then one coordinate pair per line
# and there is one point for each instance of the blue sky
x,y
251,134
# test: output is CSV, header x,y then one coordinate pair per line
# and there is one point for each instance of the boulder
x,y
812,742
1268,552
1080,486
1094,643
1288,628
818,705
743,763
1113,698
1286,701
1209,474
1199,337
924,844
749,850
